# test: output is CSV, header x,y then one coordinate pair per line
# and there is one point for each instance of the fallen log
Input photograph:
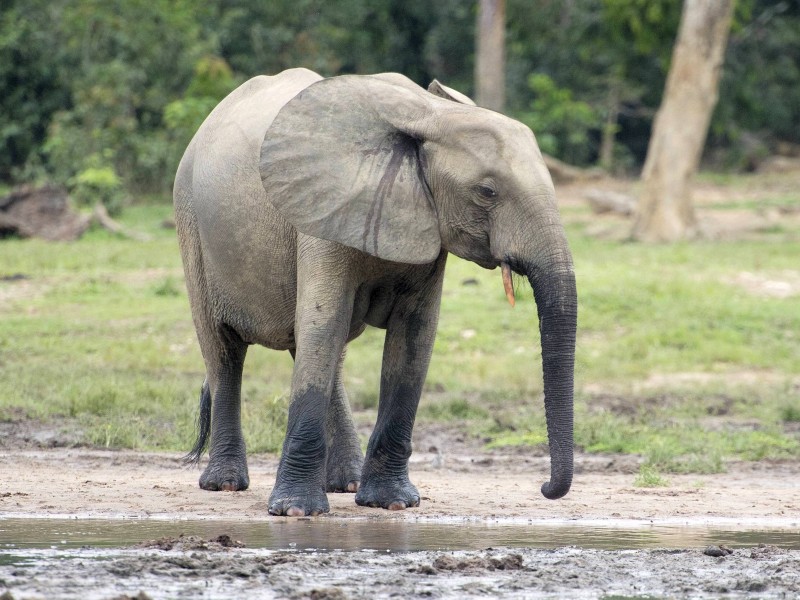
x,y
42,212
101,217
606,201
562,172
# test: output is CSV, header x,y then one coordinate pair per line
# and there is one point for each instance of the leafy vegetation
x,y
562,124
649,477
121,85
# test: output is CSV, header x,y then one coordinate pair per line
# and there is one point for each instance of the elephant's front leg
x,y
345,458
322,322
406,355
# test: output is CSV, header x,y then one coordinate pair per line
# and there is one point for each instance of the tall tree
x,y
665,212
490,63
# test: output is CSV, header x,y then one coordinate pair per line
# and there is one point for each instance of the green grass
x,y
650,477
675,361
759,204
790,413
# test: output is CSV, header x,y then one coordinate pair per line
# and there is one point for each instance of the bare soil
x,y
470,484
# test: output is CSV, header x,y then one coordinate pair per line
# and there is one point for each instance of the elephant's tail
x,y
203,427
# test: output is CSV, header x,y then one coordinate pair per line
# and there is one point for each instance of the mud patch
x,y
496,573
765,552
139,596
19,432
447,562
184,543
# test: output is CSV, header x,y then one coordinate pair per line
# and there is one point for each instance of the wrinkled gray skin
x,y
309,208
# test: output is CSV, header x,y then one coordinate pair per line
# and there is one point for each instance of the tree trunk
x,y
611,126
490,68
665,212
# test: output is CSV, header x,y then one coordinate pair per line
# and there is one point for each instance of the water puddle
x,y
394,536
94,559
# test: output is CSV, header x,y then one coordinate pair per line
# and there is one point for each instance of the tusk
x,y
505,271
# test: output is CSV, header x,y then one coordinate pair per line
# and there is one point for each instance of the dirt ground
x,y
86,483
459,483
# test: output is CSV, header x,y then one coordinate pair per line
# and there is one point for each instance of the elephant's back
x,y
231,135
248,250
227,196
227,145
252,106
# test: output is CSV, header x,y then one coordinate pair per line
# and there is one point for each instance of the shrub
x,y
561,123
98,183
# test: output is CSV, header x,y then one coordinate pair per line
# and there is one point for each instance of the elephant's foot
x,y
343,470
391,493
225,475
298,501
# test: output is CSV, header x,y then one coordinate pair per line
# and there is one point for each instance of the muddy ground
x,y
525,573
460,483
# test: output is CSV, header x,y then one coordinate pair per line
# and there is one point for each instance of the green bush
x,y
98,184
650,477
561,123
212,81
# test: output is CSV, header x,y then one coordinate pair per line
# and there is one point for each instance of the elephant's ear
x,y
342,161
441,90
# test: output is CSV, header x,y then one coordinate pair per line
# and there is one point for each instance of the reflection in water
x,y
395,536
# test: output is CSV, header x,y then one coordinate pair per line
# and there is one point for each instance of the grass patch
x,y
669,455
790,413
790,202
649,477
454,408
527,438
169,286
674,362
264,420
661,309
680,433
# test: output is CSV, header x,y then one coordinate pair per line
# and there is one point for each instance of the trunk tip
x,y
555,491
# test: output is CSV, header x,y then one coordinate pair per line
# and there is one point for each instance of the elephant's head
x,y
379,164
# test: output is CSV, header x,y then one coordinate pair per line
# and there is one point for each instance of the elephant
x,y
307,208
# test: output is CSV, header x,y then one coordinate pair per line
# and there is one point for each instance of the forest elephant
x,y
308,208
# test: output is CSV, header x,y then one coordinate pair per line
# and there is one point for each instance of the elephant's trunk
x,y
557,305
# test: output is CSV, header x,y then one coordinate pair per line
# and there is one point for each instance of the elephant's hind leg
x,y
345,459
227,465
223,352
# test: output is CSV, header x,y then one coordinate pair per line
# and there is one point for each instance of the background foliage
x,y
114,89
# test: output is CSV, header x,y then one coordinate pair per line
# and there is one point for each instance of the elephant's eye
x,y
486,191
